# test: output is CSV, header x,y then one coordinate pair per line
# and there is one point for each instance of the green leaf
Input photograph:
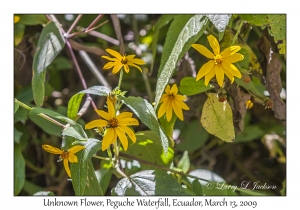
x,y
76,127
75,101
245,62
163,20
50,43
184,31
184,162
250,87
46,126
33,19
17,135
16,107
70,131
148,147
25,94
278,31
92,185
103,176
145,112
19,29
258,20
83,176
217,119
189,86
189,139
197,188
31,188
220,21
44,193
19,169
21,115
149,182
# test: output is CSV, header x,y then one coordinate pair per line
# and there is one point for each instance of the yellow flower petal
x,y
232,69
109,137
52,150
96,123
177,109
180,97
16,18
122,138
213,42
230,51
129,132
139,68
234,58
162,109
169,110
130,57
209,76
203,50
136,61
167,90
174,90
117,67
103,114
72,158
163,98
205,69
76,149
111,109
124,115
219,74
109,65
109,58
128,121
229,75
126,68
66,165
181,104
114,53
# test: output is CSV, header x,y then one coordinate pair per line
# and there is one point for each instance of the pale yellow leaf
x,y
216,118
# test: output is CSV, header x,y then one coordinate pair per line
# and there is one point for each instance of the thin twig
x,y
117,28
104,37
93,68
94,22
74,23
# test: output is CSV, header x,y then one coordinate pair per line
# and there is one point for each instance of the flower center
x,y
113,123
124,60
65,155
218,59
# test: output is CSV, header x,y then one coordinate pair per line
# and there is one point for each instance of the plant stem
x,y
101,158
120,79
94,22
74,23
237,33
41,114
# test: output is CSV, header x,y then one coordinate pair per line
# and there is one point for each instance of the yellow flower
x,y
66,156
116,126
121,61
172,101
221,62
249,104
16,19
